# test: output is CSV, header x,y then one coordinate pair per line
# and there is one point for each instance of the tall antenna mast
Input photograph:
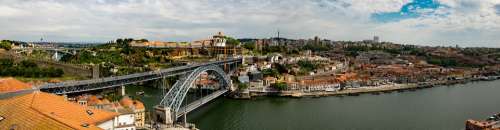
x,y
278,34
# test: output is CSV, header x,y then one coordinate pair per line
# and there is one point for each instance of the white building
x,y
121,122
125,122
376,39
219,40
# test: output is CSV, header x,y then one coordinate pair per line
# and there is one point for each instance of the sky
x,y
466,23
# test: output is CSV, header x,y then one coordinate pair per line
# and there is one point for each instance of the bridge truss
x,y
174,98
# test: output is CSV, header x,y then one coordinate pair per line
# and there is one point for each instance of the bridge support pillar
x,y
95,72
123,90
185,120
164,115
231,86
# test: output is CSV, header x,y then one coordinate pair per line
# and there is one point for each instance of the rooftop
x,y
11,85
40,110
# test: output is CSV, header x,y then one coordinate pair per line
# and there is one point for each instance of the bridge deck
x,y
190,107
108,82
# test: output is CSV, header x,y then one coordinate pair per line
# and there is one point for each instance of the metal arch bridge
x,y
56,51
175,96
70,51
110,82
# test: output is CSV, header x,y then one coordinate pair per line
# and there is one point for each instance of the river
x,y
445,107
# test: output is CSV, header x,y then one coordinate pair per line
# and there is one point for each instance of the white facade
x,y
376,39
122,122
125,122
108,125
220,42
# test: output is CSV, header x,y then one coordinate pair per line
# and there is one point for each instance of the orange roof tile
x,y
269,78
40,110
105,101
93,100
11,85
138,104
126,102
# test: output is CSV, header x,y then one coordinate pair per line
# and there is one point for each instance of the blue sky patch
x,y
410,10
497,8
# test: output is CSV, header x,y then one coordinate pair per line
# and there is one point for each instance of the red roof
x,y
40,110
11,85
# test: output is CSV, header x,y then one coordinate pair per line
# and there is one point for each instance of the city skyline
x,y
421,22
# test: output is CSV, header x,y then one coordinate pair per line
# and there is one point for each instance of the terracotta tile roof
x,y
269,78
41,110
105,101
93,100
11,85
138,105
126,102
129,103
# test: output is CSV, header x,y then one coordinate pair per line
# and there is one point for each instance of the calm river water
x,y
436,108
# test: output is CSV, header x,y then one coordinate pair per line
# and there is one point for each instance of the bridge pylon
x,y
164,115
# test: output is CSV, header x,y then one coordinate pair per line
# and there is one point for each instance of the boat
x,y
139,93
330,89
353,94
492,123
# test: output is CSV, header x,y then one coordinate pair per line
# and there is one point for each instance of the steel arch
x,y
174,97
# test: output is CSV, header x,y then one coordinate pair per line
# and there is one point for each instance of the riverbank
x,y
365,90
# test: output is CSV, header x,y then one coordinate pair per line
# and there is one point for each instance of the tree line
x,y
6,44
27,68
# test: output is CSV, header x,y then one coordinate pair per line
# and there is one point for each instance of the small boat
x,y
139,93
353,94
330,89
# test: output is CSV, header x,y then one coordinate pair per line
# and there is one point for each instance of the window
x,y
90,112
13,127
85,125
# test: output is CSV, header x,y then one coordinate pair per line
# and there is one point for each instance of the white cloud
x,y
465,21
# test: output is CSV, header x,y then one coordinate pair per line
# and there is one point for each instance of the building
x,y
255,75
40,110
219,40
126,119
244,79
269,80
138,110
131,113
482,125
376,39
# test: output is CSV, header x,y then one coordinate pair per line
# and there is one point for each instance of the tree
x,y
280,86
242,86
28,64
281,68
231,41
142,40
316,47
6,63
119,41
6,44
307,65
249,45
270,72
